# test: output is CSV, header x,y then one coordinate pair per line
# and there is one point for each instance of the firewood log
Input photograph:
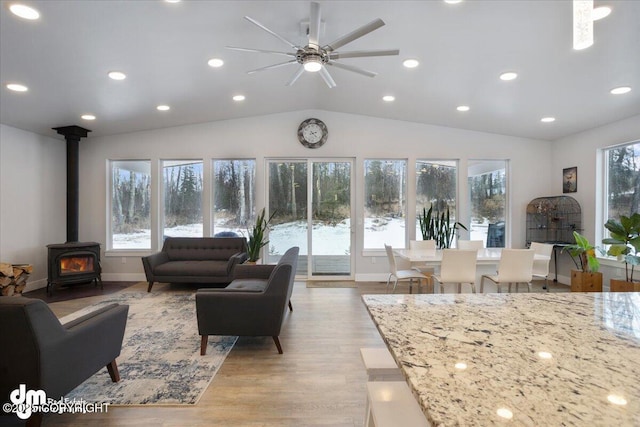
x,y
6,269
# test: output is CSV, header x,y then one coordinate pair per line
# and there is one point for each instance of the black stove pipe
x,y
72,134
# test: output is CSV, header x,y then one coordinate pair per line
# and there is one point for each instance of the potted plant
x,y
438,227
625,245
257,236
586,278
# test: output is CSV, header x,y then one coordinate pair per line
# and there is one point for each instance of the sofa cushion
x,y
203,248
192,268
255,285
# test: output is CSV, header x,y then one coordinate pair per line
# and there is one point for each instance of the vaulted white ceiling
x,y
163,48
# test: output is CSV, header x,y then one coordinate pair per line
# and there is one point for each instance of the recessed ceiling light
x,y
620,90
163,108
545,355
509,75
215,62
388,98
463,108
600,12
172,1
453,1
411,63
548,119
88,117
24,12
117,75
239,98
17,87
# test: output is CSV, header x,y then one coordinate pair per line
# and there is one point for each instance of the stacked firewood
x,y
13,278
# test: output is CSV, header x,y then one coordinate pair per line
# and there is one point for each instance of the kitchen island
x,y
570,359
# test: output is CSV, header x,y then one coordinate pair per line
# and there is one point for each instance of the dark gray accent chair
x,y
253,304
37,350
195,260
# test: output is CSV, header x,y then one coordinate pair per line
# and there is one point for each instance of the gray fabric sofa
x,y
195,260
38,351
253,304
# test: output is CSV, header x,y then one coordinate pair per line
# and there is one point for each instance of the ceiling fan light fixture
x,y
312,63
582,24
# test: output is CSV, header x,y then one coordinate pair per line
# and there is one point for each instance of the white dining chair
x,y
458,266
470,244
423,245
516,266
541,266
402,275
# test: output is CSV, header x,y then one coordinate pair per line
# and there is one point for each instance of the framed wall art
x,y
570,180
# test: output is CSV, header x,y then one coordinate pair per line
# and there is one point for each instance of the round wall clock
x,y
312,133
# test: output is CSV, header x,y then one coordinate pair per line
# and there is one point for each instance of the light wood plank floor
x,y
319,380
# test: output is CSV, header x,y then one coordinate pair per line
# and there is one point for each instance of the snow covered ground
x,y
327,239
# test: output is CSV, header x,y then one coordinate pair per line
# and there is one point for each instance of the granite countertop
x,y
539,359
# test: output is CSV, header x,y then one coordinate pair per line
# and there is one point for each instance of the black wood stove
x,y
72,263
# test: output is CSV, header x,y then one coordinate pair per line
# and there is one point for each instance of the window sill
x,y
128,252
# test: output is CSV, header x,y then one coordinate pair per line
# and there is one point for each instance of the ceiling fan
x,y
314,57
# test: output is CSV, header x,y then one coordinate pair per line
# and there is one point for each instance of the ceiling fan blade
x,y
278,36
327,77
363,53
356,34
268,67
295,76
352,68
314,25
248,49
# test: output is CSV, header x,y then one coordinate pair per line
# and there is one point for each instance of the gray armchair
x,y
37,350
253,304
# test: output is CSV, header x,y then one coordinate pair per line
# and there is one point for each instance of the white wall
x,y
351,136
32,199
581,150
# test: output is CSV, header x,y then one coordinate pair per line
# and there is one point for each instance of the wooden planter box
x,y
617,285
586,282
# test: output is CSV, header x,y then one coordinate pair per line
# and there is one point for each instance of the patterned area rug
x,y
160,362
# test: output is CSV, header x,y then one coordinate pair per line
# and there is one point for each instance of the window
x,y
488,201
622,195
182,194
385,188
288,197
130,225
233,196
435,186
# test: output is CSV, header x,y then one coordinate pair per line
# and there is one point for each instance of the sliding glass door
x,y
310,201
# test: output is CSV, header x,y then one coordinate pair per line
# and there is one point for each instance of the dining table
x,y
534,359
430,257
